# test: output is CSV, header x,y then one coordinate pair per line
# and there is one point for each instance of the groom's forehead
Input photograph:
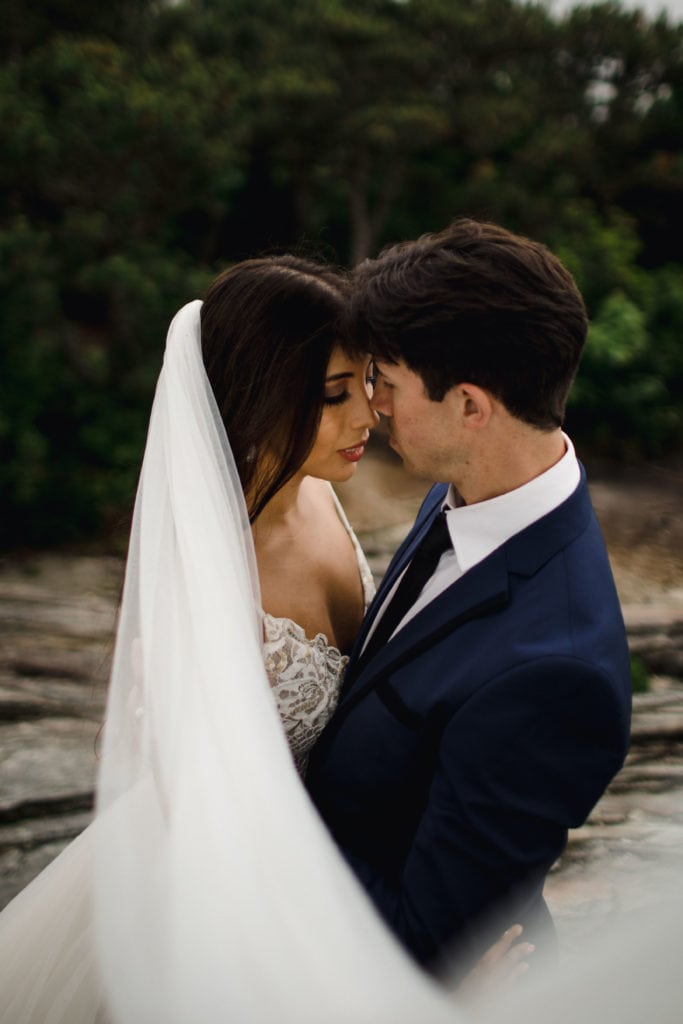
x,y
400,375
389,368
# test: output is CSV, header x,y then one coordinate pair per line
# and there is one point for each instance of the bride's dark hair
x,y
268,329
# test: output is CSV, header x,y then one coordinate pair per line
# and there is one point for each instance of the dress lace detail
x,y
306,676
306,673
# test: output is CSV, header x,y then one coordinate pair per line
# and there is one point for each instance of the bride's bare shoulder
x,y
320,495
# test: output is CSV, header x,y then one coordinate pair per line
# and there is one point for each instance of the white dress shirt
x,y
477,530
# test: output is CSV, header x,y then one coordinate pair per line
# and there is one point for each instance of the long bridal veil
x,y
218,894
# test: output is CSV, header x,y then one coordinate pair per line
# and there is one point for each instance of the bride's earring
x,y
251,454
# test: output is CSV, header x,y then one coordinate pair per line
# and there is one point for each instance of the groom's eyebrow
x,y
338,376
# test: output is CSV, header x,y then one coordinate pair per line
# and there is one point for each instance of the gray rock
x,y
46,761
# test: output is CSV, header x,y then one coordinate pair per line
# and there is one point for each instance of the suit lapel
x,y
401,558
485,590
482,590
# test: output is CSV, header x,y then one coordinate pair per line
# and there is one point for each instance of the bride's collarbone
x,y
317,585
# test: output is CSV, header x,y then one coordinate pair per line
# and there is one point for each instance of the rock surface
x,y
57,619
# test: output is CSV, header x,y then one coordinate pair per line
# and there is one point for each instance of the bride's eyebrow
x,y
338,376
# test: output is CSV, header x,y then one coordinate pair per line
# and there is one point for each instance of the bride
x,y
207,889
295,406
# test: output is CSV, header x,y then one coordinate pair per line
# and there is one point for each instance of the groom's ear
x,y
477,405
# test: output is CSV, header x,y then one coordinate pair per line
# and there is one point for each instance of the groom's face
x,y
424,433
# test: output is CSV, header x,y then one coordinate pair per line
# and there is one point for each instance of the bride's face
x,y
346,419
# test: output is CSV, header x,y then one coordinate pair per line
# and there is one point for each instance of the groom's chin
x,y
418,472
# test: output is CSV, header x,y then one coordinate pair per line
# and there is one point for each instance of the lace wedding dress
x,y
306,673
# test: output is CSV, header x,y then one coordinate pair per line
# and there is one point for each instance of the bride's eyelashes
x,y
343,396
369,378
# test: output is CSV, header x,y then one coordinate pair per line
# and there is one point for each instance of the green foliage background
x,y
147,144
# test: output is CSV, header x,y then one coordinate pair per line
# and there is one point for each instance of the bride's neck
x,y
284,508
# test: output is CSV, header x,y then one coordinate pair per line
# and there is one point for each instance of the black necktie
x,y
421,568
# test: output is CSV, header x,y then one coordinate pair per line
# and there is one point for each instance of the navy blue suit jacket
x,y
462,752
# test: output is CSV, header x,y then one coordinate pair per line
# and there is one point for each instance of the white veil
x,y
219,895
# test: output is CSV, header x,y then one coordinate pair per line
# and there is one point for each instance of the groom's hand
x,y
502,965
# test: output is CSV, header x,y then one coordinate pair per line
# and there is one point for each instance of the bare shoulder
x,y
320,495
309,569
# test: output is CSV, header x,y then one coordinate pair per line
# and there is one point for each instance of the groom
x,y
486,704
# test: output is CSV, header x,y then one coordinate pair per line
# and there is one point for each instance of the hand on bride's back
x,y
501,966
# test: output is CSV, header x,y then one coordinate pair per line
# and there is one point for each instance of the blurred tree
x,y
340,98
373,119
145,143
600,249
629,73
114,170
620,402
26,26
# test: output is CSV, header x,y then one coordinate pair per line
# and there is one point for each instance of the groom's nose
x,y
381,399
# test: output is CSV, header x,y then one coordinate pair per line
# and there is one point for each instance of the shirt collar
x,y
477,530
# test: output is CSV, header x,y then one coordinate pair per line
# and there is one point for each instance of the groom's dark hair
x,y
475,303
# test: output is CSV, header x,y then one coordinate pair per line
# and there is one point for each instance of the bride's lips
x,y
353,454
